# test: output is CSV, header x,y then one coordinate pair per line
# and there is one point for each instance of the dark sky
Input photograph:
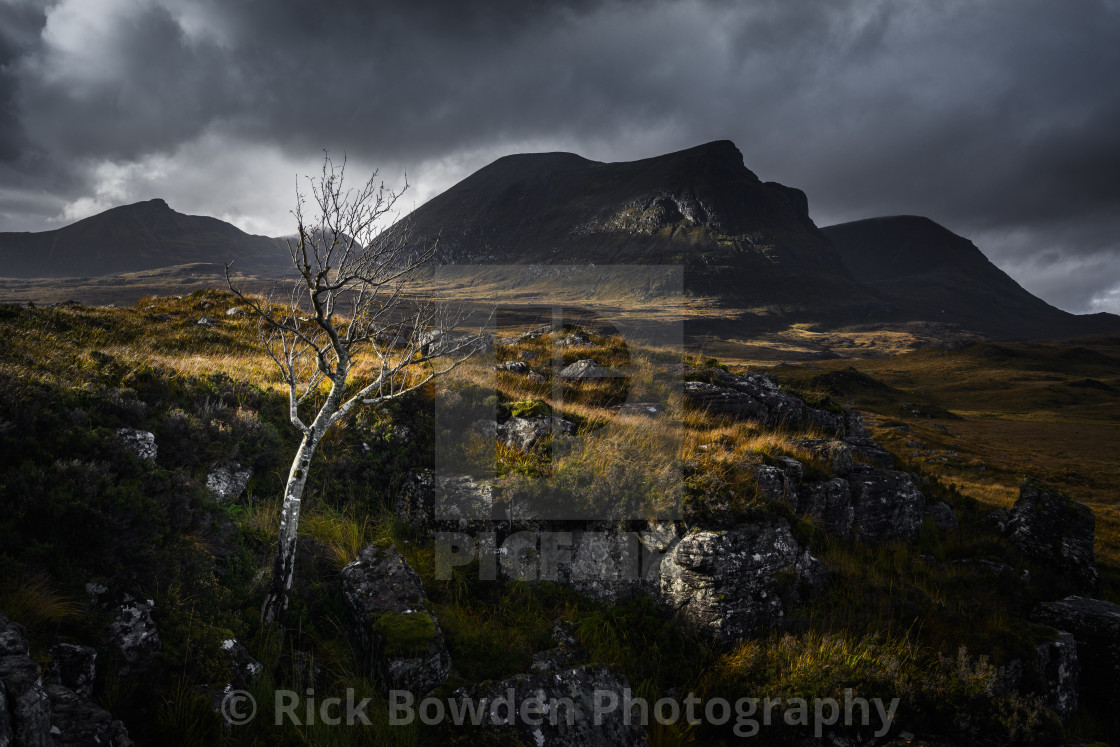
x,y
999,119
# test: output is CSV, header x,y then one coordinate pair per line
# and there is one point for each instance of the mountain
x,y
132,238
749,243
929,273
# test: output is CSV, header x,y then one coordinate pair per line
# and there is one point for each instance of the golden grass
x,y
36,603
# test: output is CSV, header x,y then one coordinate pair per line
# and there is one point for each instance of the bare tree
x,y
347,336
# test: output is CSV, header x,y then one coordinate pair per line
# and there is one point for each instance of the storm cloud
x,y
996,119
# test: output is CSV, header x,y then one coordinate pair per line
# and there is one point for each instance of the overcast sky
x,y
999,119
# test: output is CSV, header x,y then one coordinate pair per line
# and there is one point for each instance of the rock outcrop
x,y
886,505
227,482
141,443
1095,626
567,701
58,712
396,628
1045,525
1059,668
440,502
830,504
133,634
524,433
587,369
732,584
757,397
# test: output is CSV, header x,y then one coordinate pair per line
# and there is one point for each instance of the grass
x,y
894,620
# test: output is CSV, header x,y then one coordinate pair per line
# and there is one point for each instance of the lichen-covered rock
x,y
1095,626
615,566
25,707
645,409
134,635
78,722
525,433
228,482
775,485
731,584
757,397
942,516
141,443
27,701
886,505
6,735
1060,670
243,668
830,504
1047,526
577,687
836,454
587,369
462,503
393,622
74,666
515,367
566,653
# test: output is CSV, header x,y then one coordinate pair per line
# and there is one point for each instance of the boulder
x,y
525,433
645,409
886,505
6,735
1095,626
1059,669
205,321
775,485
25,710
73,666
243,668
26,703
133,634
1047,526
836,454
78,722
390,614
830,504
612,567
731,584
757,397
464,504
228,482
566,653
942,516
141,443
558,692
587,369
515,367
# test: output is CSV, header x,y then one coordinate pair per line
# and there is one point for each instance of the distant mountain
x,y
133,238
929,273
747,242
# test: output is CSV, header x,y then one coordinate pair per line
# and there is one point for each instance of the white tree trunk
x,y
283,569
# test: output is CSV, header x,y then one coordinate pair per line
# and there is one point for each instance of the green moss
x,y
405,635
529,408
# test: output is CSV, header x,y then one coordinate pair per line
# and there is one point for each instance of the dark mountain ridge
x,y
930,273
747,242
132,238
748,245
